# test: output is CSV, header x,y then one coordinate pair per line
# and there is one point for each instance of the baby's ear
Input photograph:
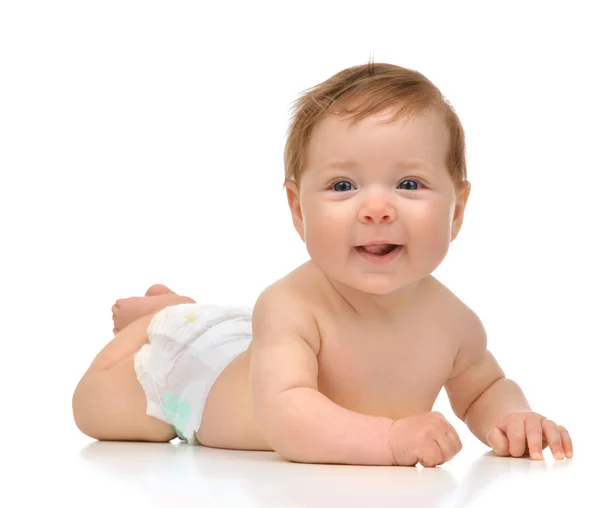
x,y
293,196
462,196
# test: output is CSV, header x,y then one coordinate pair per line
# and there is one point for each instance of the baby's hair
x,y
364,90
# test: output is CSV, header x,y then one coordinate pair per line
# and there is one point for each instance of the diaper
x,y
189,346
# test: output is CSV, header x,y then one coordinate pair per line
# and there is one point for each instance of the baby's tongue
x,y
379,249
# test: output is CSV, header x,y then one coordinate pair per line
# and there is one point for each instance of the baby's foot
x,y
127,310
158,289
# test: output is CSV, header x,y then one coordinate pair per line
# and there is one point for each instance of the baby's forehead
x,y
329,153
402,133
342,142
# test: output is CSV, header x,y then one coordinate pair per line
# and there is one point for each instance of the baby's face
x,y
375,181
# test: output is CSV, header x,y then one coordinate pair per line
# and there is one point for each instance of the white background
x,y
141,142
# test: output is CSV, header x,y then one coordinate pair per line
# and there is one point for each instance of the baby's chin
x,y
381,289
375,284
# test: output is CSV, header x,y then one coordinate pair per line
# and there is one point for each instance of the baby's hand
x,y
426,438
516,430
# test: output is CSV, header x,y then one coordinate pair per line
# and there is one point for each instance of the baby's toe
x,y
123,310
119,305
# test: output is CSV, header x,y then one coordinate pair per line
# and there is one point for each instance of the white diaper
x,y
189,346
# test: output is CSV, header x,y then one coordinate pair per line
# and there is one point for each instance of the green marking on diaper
x,y
180,434
177,410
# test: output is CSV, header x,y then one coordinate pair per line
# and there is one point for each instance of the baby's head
x,y
375,153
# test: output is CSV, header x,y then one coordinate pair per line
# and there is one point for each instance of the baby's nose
x,y
377,211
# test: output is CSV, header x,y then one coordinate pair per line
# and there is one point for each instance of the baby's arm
x,y
298,421
479,392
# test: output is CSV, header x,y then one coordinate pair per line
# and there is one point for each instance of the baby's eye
x,y
413,181
339,188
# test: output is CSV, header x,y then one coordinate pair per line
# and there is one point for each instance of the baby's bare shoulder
x,y
446,302
462,324
286,307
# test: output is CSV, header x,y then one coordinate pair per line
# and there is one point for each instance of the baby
x,y
341,360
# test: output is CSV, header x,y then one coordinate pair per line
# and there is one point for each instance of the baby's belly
x,y
380,402
228,420
396,392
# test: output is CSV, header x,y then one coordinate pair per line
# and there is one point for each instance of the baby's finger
x,y
533,428
431,455
566,441
553,437
516,437
498,441
456,442
448,447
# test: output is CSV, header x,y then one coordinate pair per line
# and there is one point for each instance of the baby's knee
x,y
81,407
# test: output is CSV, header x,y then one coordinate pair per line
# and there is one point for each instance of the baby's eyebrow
x,y
341,165
403,164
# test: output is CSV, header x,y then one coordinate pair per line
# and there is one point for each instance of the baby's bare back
x,y
391,368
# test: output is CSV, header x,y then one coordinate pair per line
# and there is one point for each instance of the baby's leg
x,y
109,403
127,310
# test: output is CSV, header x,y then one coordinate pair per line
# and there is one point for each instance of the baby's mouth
x,y
379,250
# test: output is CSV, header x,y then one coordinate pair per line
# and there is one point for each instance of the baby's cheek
x,y
431,246
323,229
